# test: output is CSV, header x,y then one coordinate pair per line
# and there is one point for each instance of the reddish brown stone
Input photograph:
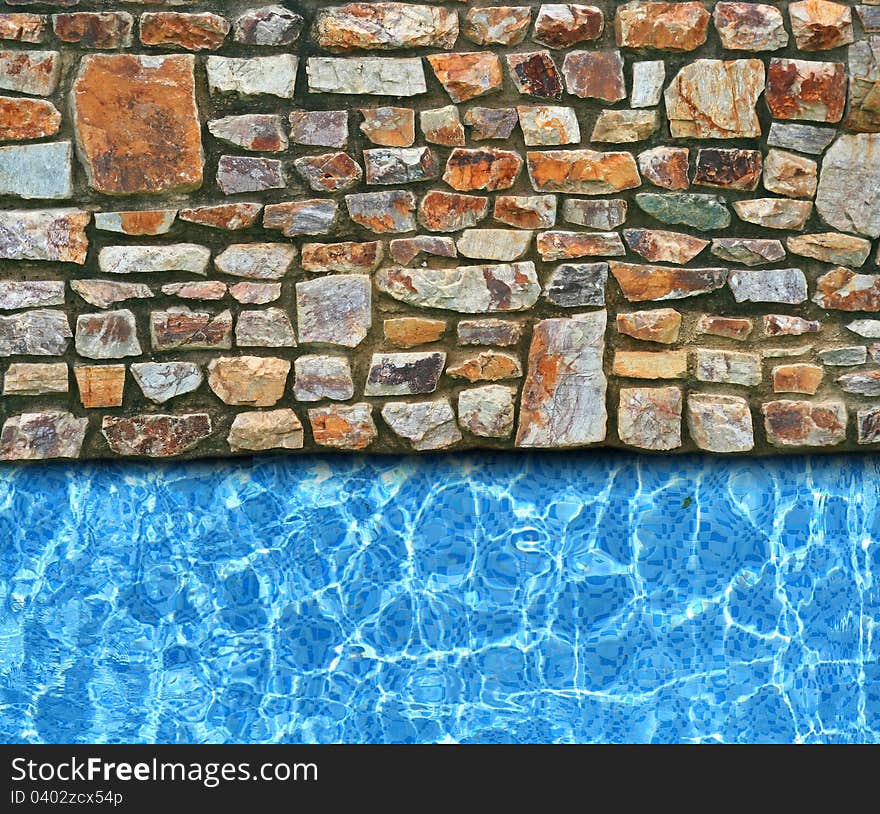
x,y
560,26
535,74
641,283
448,212
488,169
94,30
389,126
728,169
750,26
330,172
526,212
468,75
189,330
819,25
32,72
196,290
814,91
156,436
595,75
343,426
230,217
194,32
27,119
585,172
662,325
22,27
382,212
100,385
488,366
660,246
257,132
737,328
797,378
442,126
844,290
407,249
666,167
662,26
408,332
804,423
157,145
346,257
569,245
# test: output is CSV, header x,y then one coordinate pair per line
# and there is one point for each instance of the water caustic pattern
x,y
477,599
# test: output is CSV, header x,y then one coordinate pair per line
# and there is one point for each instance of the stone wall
x,y
395,226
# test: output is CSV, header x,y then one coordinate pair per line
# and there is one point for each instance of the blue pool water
x,y
574,597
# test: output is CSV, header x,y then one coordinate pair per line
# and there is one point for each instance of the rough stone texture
x,y
641,283
487,411
156,145
322,377
343,426
777,285
563,398
264,430
562,25
750,26
156,436
276,214
650,417
426,425
712,98
466,289
24,379
334,310
720,423
661,325
806,90
108,335
163,381
465,76
254,381
804,423
385,26
33,72
24,119
595,75
257,76
663,26
40,436
584,172
182,329
852,163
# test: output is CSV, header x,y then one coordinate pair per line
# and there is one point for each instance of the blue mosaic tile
x,y
488,598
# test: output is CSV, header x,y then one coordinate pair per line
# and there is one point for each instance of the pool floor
x,y
485,598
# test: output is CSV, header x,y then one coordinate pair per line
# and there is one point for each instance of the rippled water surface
x,y
578,597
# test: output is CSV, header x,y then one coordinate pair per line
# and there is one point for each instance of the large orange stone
x,y
137,124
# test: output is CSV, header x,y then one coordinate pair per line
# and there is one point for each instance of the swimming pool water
x,y
576,597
